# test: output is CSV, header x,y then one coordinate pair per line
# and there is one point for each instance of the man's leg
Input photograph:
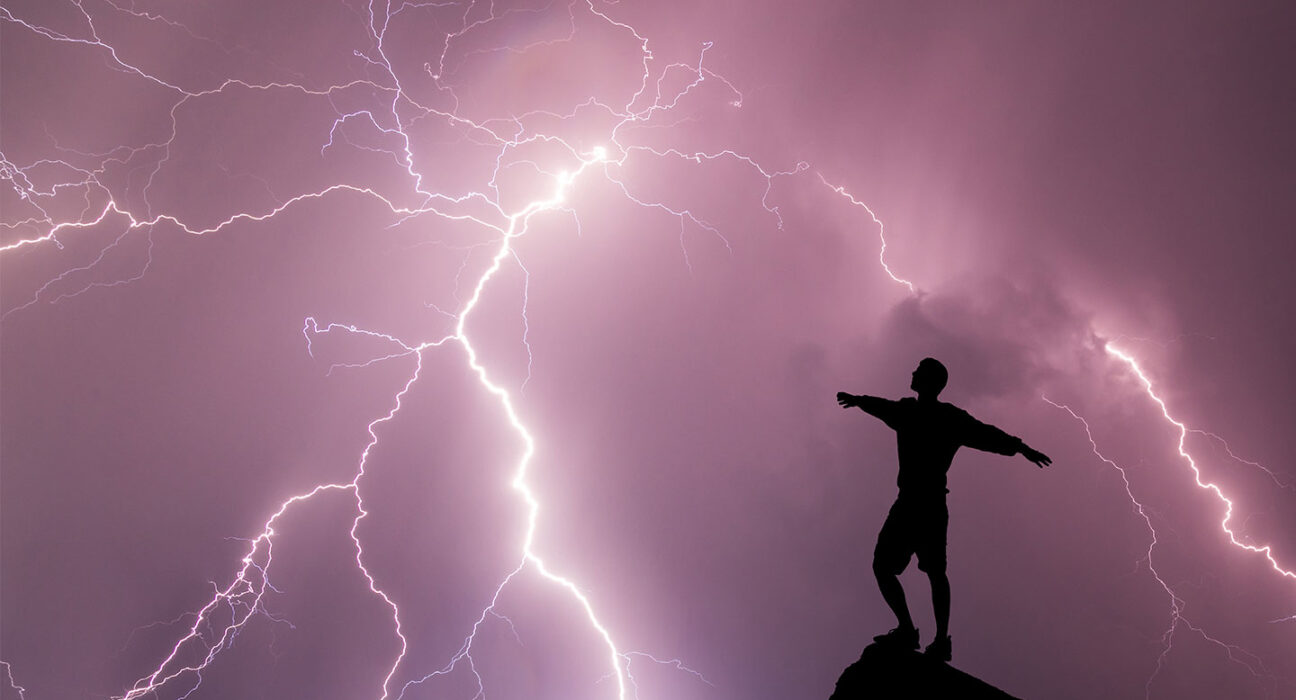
x,y
931,560
890,557
941,602
893,594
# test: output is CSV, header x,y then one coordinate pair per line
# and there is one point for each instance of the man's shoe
x,y
899,638
940,649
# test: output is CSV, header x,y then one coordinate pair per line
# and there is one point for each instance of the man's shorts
x,y
914,526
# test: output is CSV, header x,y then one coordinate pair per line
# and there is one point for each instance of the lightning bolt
x,y
1177,618
881,233
8,669
43,186
1266,550
214,626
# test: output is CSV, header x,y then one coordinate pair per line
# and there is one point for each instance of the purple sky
x,y
1056,181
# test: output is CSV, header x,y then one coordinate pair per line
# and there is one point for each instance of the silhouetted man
x,y
928,433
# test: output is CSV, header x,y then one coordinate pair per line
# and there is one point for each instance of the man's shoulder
x,y
953,413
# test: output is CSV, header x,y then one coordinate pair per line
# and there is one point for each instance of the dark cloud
x,y
997,338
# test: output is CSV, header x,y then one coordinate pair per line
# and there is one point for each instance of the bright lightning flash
x,y
1265,550
216,624
1234,652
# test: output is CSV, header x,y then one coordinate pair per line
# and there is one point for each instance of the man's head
x,y
929,378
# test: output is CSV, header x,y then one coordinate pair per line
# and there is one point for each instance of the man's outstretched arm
x,y
983,436
884,409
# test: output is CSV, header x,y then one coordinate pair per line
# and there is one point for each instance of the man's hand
x,y
846,400
1040,459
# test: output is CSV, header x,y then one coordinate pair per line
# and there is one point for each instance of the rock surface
x,y
882,673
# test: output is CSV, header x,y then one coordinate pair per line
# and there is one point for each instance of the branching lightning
x,y
1235,653
1266,550
1177,605
213,627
